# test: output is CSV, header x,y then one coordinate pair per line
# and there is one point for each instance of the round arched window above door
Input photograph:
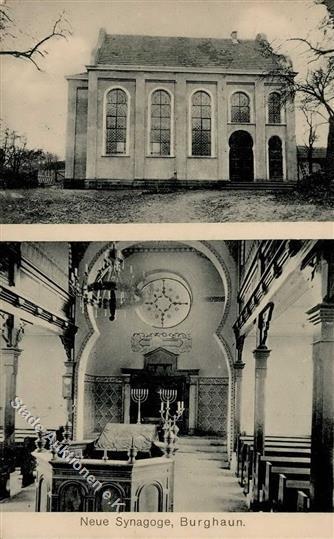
x,y
166,302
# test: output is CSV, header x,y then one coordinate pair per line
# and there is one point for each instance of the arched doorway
x,y
275,157
241,157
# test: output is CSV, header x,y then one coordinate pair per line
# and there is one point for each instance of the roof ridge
x,y
180,37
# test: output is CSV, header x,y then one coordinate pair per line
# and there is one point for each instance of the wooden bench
x,y
271,448
303,502
288,489
276,460
272,441
270,485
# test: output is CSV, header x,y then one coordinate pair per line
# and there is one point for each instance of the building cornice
x,y
179,69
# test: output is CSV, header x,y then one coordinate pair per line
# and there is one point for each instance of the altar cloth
x,y
120,437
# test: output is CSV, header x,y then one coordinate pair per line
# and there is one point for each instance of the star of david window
x,y
166,302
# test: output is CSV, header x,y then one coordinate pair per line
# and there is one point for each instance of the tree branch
x,y
316,50
58,32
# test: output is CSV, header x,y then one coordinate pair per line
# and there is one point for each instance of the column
x,y
181,131
12,333
92,125
222,134
140,127
261,355
68,389
259,149
68,338
126,397
193,398
322,493
9,362
290,143
70,130
238,368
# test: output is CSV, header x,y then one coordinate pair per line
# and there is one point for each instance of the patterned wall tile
x,y
108,403
212,405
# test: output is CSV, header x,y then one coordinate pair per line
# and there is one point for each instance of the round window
x,y
165,303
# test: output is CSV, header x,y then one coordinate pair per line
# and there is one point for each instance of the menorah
x,y
167,397
139,396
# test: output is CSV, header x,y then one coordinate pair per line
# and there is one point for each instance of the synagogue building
x,y
193,110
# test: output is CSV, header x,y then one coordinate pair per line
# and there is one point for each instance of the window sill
x,y
202,157
115,155
275,125
160,156
241,123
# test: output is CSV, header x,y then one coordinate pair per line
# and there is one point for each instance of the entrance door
x,y
241,157
275,156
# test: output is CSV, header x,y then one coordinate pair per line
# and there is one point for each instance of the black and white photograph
x,y
163,376
167,269
163,111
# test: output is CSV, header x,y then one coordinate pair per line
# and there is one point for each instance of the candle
x,y
178,405
161,406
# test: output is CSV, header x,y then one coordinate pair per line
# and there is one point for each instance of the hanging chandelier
x,y
111,288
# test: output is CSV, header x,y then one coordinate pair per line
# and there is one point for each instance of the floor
x,y
125,206
202,482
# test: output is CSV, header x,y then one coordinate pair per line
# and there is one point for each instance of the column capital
x,y
193,379
323,312
239,365
261,355
67,338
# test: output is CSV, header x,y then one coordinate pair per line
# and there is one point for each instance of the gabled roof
x,y
134,50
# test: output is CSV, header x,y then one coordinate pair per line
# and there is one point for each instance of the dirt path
x,y
131,206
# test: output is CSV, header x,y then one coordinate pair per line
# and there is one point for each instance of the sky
x,y
34,103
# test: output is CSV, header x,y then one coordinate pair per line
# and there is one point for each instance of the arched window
x,y
116,122
160,132
274,108
201,124
240,108
275,156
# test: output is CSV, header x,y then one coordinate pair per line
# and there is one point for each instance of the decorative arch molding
x,y
160,490
217,260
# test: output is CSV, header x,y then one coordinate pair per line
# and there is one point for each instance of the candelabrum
x,y
168,397
139,396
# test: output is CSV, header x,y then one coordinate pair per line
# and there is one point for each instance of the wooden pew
x,y
277,441
303,502
288,489
276,460
271,448
273,444
271,481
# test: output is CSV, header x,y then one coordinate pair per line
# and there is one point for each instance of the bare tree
x,y
315,88
323,47
310,133
60,30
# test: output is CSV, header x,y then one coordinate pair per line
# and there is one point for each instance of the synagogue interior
x,y
159,376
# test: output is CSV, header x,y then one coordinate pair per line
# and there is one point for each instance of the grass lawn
x,y
134,206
